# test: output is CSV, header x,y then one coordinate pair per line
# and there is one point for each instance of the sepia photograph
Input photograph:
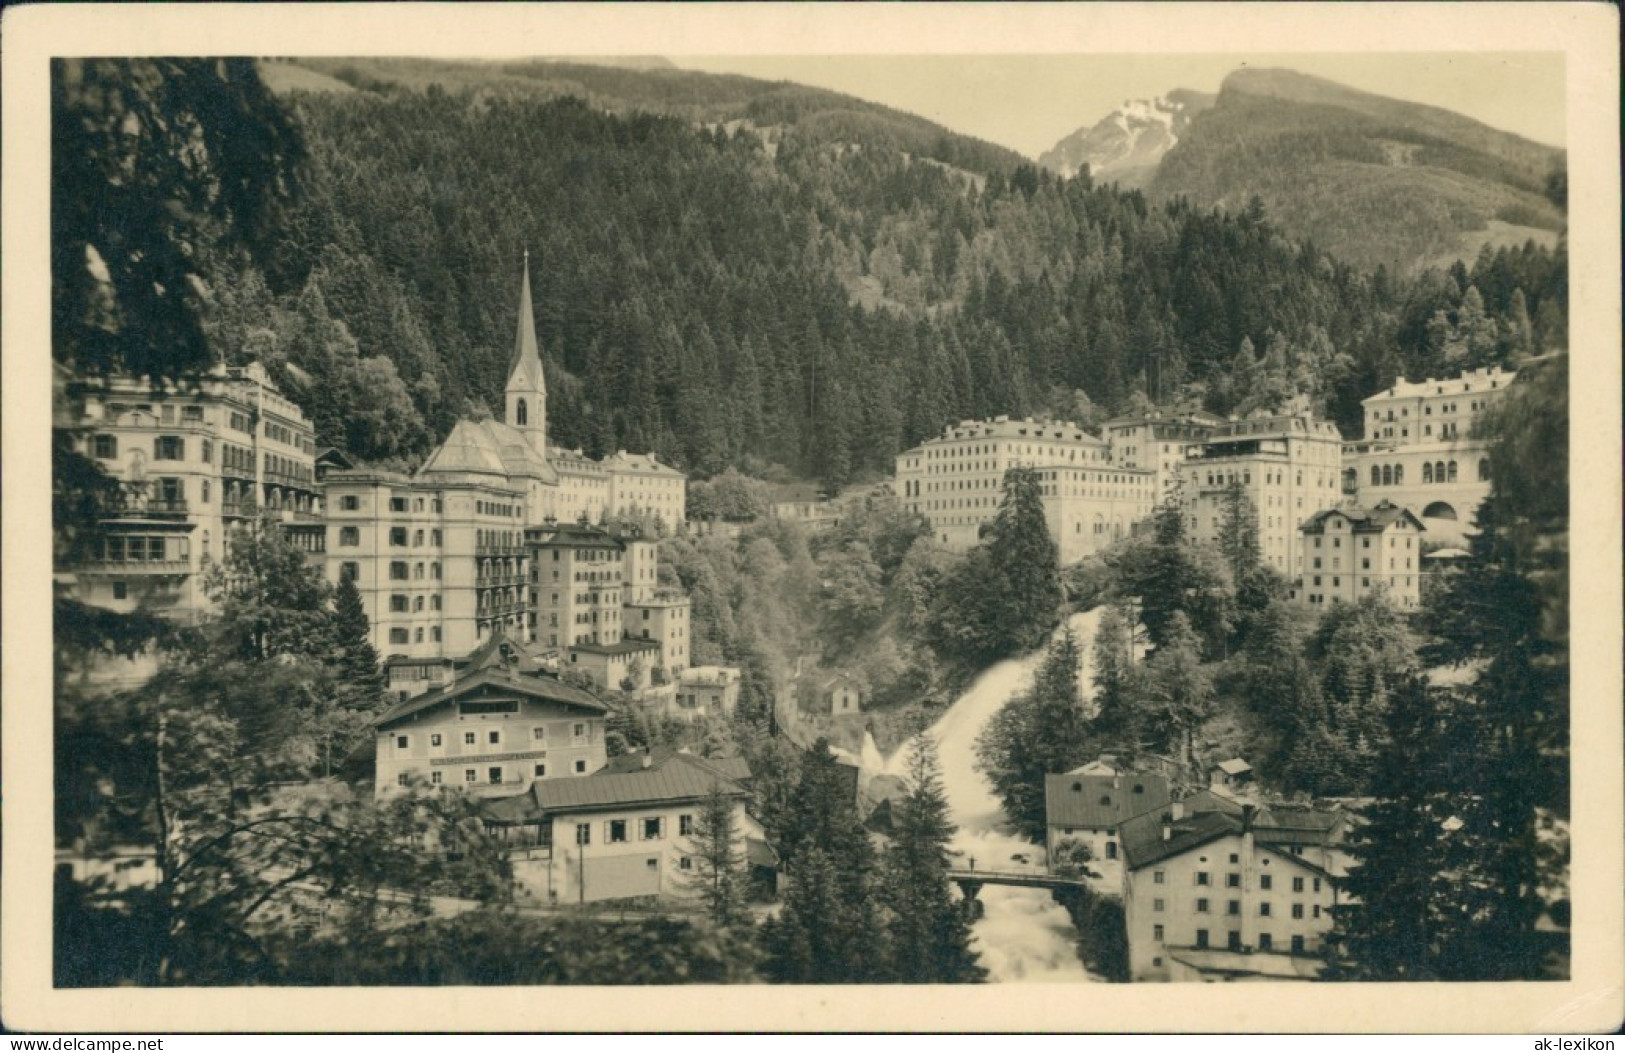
x,y
851,519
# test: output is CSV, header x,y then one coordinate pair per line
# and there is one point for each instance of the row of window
x,y
1233,880
1266,941
493,774
399,603
580,734
1233,907
399,635
650,828
165,414
136,548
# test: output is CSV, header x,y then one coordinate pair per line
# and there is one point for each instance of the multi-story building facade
x,y
956,482
584,487
1421,449
1288,466
640,487
439,560
1214,889
191,461
1351,552
595,595
1158,443
494,731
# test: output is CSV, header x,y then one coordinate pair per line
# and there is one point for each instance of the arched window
x,y
1376,476
1387,475
1483,469
1427,472
1438,471
1399,475
1452,471
522,415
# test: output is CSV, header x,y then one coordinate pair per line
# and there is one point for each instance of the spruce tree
x,y
1039,733
830,929
1113,661
930,935
1028,579
355,660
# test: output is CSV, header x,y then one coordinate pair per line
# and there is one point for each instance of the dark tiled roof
x,y
1373,520
1142,836
539,686
632,645
574,535
1101,801
1208,816
678,778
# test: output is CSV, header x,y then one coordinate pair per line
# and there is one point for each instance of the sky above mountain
x,y
1029,102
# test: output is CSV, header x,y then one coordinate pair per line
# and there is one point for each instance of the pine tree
x,y
1238,532
930,935
1113,661
1179,690
355,664
1398,920
272,600
718,878
830,929
1039,733
1024,552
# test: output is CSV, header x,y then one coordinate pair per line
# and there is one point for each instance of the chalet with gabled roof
x,y
500,726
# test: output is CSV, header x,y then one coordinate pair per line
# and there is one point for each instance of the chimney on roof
x,y
1177,810
1247,814
648,762
1167,826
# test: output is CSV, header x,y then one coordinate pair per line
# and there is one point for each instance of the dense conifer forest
x,y
810,284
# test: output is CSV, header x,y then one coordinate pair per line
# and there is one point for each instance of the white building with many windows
x,y
1421,448
1352,552
626,832
1218,890
1287,465
191,461
956,482
440,556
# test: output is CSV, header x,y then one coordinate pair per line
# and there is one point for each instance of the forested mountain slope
x,y
1373,179
820,295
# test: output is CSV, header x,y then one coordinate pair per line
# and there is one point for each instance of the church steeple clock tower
x,y
527,387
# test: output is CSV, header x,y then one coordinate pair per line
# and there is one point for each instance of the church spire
x,y
527,385
525,350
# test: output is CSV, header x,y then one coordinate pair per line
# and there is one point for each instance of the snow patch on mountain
x,y
1126,144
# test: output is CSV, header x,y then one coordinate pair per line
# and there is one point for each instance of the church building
x,y
439,556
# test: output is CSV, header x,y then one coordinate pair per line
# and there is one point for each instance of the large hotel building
x,y
1289,466
1158,442
190,461
957,480
1420,450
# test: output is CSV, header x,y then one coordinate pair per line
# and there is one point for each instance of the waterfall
x,y
1023,934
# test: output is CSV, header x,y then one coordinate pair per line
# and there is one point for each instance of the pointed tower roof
x,y
526,368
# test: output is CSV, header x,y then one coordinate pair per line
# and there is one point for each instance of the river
x,y
1022,935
